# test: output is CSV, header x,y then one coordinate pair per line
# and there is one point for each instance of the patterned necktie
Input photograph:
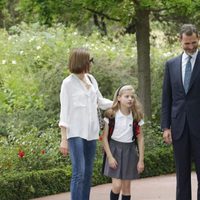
x,y
188,71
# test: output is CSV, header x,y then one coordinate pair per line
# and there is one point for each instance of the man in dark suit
x,y
181,110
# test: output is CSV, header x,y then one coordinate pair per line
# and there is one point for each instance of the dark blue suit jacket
x,y
177,106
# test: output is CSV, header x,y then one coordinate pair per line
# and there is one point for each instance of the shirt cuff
x,y
141,122
106,120
63,124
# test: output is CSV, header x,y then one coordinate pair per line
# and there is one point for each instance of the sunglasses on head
x,y
91,60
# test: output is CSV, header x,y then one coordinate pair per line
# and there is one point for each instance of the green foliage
x,y
24,186
161,51
33,64
107,15
9,15
49,12
34,150
153,136
158,161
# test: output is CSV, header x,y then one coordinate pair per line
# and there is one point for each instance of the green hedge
x,y
23,186
27,185
159,161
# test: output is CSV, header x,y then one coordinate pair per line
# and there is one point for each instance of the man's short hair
x,y
188,29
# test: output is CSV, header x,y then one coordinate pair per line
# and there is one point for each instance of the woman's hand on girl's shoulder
x,y
64,147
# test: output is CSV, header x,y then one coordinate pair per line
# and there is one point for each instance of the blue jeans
x,y
82,153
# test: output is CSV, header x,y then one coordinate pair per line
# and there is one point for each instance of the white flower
x,y
14,62
167,54
32,39
113,48
3,62
38,47
21,52
86,45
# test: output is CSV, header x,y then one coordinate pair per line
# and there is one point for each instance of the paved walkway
x,y
154,188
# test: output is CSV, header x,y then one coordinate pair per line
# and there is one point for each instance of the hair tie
x,y
120,89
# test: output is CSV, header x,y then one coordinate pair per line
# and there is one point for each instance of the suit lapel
x,y
178,70
195,70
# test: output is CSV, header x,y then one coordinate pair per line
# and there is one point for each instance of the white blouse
x,y
123,130
79,107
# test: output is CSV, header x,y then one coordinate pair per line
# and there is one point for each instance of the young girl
x,y
122,161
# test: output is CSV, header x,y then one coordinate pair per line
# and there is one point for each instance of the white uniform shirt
x,y
123,130
79,107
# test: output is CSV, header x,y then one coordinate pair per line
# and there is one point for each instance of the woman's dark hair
x,y
79,61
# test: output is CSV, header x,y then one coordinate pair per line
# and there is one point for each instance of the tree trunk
x,y
143,59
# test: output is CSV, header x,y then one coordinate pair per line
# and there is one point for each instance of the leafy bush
x,y
31,151
158,161
33,62
26,185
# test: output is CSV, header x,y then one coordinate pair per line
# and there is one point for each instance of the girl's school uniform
x,y
123,149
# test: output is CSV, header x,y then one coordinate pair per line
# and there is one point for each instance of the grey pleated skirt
x,y
126,156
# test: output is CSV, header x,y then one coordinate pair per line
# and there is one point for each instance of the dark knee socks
x,y
113,196
126,197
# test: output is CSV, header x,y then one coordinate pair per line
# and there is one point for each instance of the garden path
x,y
153,188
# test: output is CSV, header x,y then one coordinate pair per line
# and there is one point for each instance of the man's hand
x,y
167,136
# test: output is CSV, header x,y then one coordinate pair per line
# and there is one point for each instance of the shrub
x,y
33,64
26,185
31,151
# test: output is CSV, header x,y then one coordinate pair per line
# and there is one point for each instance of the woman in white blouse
x,y
79,98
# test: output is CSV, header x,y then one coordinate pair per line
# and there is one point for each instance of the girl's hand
x,y
64,147
112,162
140,166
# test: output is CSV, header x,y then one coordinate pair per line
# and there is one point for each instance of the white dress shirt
x,y
185,58
79,107
123,130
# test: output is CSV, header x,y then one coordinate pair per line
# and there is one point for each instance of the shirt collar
x,y
121,115
86,78
185,56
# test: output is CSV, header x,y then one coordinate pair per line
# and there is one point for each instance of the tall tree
x,y
143,51
9,15
133,15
